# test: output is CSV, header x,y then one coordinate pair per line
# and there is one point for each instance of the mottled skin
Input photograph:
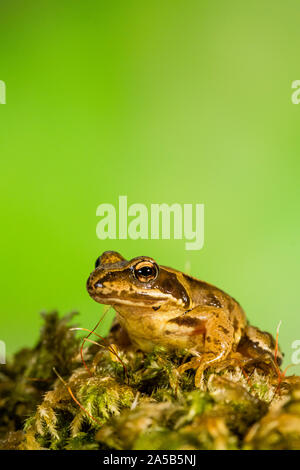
x,y
157,305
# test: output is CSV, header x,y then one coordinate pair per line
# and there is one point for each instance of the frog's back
x,y
250,340
203,294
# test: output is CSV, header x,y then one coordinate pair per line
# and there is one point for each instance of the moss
x,y
25,379
149,406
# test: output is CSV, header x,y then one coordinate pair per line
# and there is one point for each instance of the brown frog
x,y
157,305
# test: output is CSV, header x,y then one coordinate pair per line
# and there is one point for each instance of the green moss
x,y
149,406
25,379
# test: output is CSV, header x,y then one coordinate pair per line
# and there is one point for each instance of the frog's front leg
x,y
218,339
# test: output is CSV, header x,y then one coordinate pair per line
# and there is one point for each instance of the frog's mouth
x,y
112,298
103,293
114,301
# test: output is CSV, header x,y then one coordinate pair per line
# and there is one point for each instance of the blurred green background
x,y
173,101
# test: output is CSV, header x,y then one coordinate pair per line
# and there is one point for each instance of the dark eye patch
x,y
169,284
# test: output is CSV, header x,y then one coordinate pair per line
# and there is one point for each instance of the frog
x,y
161,306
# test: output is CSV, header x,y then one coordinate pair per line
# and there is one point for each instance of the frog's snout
x,y
98,285
93,283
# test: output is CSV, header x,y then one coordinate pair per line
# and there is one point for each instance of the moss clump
x,y
148,407
25,379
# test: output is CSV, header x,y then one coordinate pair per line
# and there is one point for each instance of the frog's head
x,y
139,284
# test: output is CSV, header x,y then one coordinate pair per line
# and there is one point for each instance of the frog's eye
x,y
98,261
146,271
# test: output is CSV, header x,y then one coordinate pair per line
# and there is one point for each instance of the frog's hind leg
x,y
219,339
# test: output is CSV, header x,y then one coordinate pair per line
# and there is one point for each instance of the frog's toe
x,y
199,378
193,364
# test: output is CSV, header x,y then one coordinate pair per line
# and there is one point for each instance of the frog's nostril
x,y
98,285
